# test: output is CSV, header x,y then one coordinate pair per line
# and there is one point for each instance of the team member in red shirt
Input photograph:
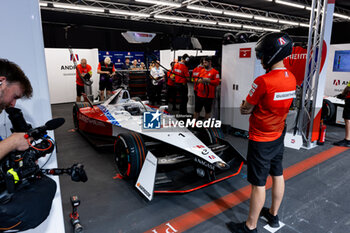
x,y
106,70
171,86
268,102
346,115
181,77
208,79
84,69
195,74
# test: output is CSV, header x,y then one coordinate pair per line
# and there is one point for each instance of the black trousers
x,y
346,112
155,93
182,89
172,95
29,206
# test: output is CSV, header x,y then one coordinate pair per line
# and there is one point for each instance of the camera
x,y
20,166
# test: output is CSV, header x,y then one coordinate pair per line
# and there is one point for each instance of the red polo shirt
x,y
195,74
272,95
207,90
181,72
83,72
170,82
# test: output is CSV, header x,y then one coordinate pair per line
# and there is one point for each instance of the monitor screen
x,y
341,61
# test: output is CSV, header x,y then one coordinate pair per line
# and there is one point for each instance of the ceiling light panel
x,y
78,7
292,4
271,30
163,3
199,21
304,25
129,13
267,19
252,27
206,9
230,24
238,14
288,22
341,16
169,17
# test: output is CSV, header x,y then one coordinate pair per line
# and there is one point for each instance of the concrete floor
x,y
315,201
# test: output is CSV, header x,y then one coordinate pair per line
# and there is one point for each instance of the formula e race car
x,y
157,149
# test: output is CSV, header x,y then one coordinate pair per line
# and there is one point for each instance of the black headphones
x,y
186,57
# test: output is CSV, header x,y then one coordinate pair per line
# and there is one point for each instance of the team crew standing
x,y
268,102
157,75
346,115
182,75
205,84
171,86
106,70
84,69
195,74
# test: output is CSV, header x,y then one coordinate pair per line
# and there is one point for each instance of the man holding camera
x,y
24,204
14,85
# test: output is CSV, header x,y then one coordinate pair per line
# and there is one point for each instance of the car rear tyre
x,y
328,110
209,135
76,108
130,153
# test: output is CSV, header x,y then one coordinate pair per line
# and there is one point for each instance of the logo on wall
x,y
336,82
74,57
107,53
245,52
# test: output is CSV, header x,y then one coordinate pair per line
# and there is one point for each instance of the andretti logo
x,y
74,57
337,82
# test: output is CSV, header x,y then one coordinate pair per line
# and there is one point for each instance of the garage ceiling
x,y
228,15
202,18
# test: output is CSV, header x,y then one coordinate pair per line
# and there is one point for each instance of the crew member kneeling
x,y
30,204
208,79
268,102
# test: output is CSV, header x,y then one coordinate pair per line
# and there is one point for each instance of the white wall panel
x,y
332,87
21,41
61,73
240,72
167,56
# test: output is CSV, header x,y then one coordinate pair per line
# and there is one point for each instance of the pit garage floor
x,y
316,197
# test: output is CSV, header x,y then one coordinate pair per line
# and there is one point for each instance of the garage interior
x,y
316,195
315,199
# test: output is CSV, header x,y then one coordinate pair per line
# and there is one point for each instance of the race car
x,y
155,147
